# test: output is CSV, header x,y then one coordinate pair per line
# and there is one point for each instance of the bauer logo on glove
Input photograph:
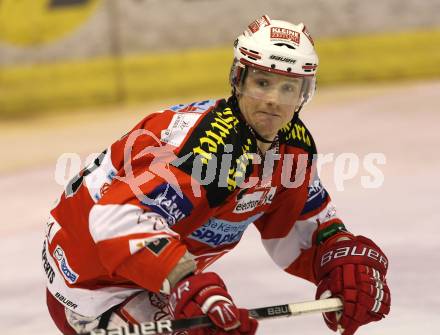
x,y
354,251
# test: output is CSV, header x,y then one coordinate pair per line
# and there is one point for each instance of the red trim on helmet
x,y
268,69
250,54
310,67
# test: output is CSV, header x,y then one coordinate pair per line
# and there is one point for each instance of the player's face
x,y
268,101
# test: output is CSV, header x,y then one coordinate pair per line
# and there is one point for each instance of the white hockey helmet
x,y
277,47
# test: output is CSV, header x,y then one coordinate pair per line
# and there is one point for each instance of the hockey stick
x,y
169,326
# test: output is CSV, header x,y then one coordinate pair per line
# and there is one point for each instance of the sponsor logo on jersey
x,y
178,128
249,202
216,232
166,202
317,196
50,273
283,59
277,33
155,244
158,222
93,185
315,190
66,270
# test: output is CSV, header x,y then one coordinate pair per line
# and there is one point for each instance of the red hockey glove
x,y
206,293
355,271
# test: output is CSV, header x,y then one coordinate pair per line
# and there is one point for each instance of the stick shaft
x,y
169,326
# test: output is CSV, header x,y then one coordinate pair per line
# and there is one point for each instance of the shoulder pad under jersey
x,y
220,148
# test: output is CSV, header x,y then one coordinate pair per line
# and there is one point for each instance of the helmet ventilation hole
x,y
273,66
289,69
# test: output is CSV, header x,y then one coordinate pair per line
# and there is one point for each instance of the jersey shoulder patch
x,y
220,152
297,135
184,118
195,107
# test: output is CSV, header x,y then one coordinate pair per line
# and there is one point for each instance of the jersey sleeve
x,y
292,232
133,223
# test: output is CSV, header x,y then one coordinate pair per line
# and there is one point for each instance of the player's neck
x,y
263,147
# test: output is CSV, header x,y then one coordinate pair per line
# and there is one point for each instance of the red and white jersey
x,y
186,180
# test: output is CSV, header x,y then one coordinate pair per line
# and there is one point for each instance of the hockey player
x,y
132,234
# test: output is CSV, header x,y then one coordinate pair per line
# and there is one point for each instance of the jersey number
x,y
74,184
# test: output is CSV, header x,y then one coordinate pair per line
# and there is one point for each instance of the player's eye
x,y
288,88
262,82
